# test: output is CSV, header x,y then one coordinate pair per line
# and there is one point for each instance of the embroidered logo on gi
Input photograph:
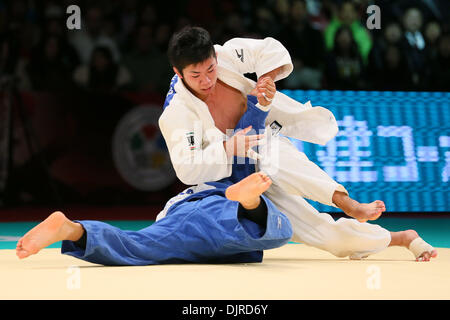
x,y
240,56
276,128
191,142
279,223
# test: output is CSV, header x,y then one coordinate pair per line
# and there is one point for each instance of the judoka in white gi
x,y
209,95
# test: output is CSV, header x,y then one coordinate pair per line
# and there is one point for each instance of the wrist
x,y
272,74
264,108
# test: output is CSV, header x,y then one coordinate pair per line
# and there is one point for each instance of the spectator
x,y
11,66
394,75
282,11
148,15
347,16
440,79
102,74
265,24
306,47
162,36
432,33
149,67
344,68
201,11
55,27
8,54
232,27
50,66
392,35
414,43
127,20
91,36
319,12
387,57
115,25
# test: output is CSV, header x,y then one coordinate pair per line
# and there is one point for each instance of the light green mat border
x,y
435,231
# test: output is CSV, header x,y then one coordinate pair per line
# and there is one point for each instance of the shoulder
x,y
177,110
81,74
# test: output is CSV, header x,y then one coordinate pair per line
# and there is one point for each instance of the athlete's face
x,y
200,78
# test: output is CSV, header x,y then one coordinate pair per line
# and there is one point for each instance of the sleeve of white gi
x,y
245,55
195,159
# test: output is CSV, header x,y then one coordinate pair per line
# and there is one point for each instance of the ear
x,y
177,72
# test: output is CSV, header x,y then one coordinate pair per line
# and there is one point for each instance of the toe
x,y
425,256
22,253
434,254
266,185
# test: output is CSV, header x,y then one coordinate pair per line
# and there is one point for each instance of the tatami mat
x,y
294,271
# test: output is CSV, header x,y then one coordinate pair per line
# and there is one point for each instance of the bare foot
x,y
360,211
404,238
53,229
366,211
248,190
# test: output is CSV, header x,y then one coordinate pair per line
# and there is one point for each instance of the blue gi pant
x,y
203,228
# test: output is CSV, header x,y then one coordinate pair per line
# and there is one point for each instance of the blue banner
x,y
391,146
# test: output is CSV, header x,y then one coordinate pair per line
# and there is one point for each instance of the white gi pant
x,y
294,178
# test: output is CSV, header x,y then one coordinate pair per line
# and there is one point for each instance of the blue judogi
x,y
243,167
202,228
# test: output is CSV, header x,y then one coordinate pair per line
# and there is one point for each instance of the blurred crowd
x,y
122,43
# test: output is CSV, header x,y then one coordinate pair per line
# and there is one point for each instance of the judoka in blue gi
x,y
202,226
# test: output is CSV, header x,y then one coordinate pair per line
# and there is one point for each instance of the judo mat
x,y
292,272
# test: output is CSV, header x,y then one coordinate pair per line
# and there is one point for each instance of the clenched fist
x,y
265,90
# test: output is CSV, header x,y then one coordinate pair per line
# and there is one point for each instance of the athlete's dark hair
x,y
190,45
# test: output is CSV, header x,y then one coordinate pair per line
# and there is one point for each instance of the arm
x,y
194,160
261,56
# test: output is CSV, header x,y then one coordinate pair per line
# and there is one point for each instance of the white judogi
x,y
193,140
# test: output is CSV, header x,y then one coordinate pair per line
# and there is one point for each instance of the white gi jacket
x,y
188,127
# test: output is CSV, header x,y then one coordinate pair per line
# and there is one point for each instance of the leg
x,y
250,205
53,229
296,174
360,211
248,191
344,237
193,231
405,238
